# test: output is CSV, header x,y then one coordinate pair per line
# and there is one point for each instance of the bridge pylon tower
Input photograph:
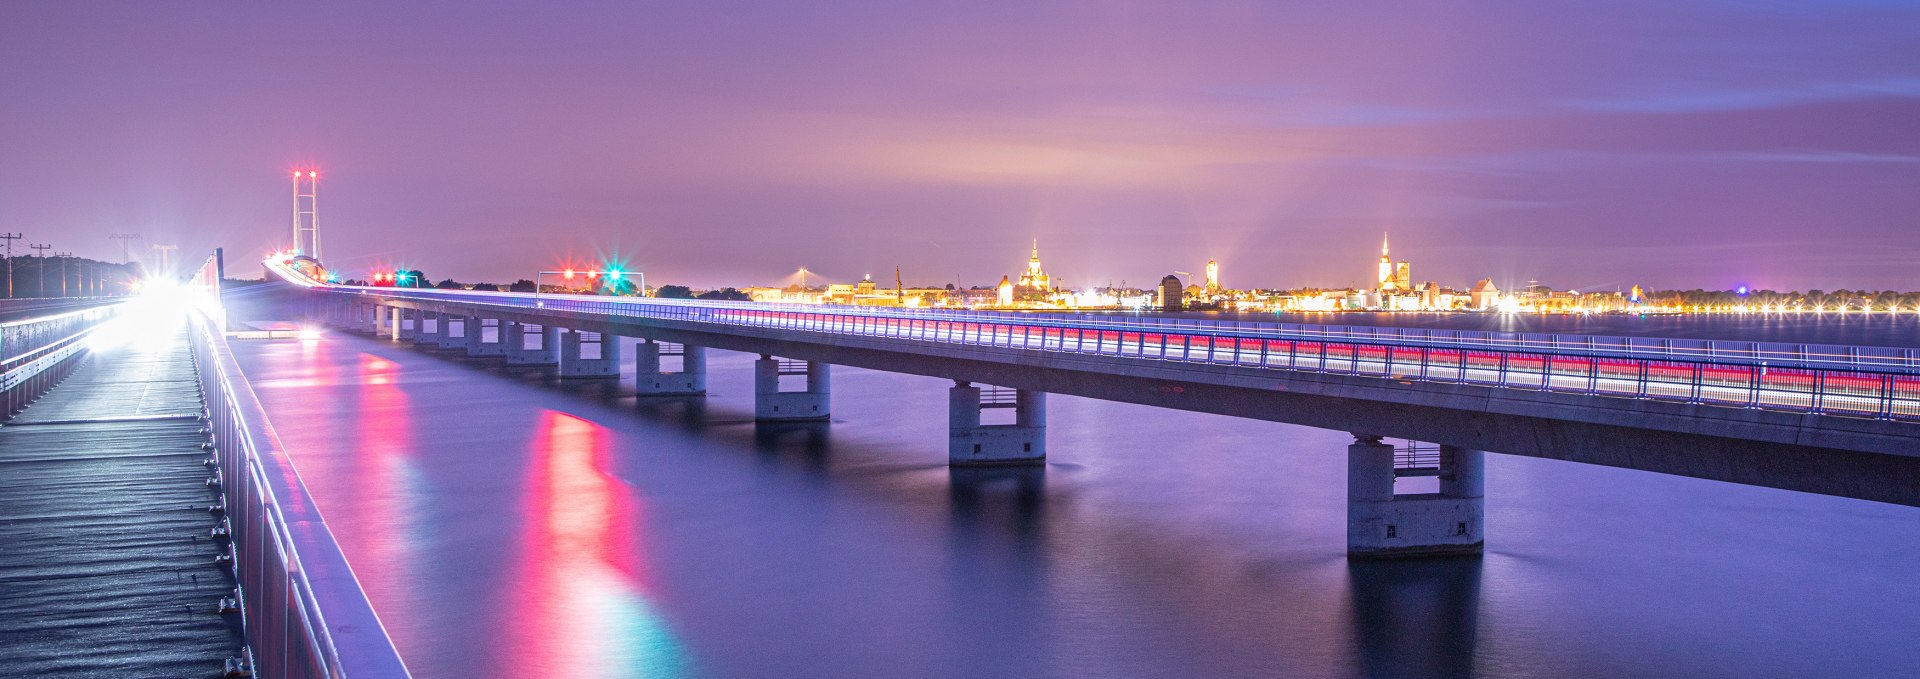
x,y
306,213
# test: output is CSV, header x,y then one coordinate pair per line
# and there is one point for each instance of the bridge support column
x,y
475,330
1382,524
443,333
517,352
574,364
428,326
772,405
406,322
970,443
651,380
355,316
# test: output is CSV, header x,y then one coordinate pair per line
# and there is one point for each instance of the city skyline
x,y
1668,146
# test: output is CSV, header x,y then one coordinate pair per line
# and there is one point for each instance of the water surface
x,y
505,524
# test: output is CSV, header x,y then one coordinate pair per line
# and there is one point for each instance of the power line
x,y
124,238
43,248
10,238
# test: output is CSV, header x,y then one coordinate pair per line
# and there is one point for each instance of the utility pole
x,y
10,238
43,248
64,256
899,292
124,238
164,259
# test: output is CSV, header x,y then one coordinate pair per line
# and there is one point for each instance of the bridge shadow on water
x,y
1416,617
1413,617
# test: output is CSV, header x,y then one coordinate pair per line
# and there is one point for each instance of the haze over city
x,y
1667,145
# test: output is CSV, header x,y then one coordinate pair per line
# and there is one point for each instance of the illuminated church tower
x,y
1034,279
1386,280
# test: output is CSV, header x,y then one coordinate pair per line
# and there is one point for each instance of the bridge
x,y
191,516
1833,420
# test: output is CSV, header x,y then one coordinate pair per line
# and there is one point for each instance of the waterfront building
x,y
1173,294
1034,279
1393,276
1213,278
1484,295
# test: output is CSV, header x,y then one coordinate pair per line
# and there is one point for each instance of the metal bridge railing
x,y
304,612
35,353
1875,383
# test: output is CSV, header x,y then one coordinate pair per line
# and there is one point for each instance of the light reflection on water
x,y
579,607
509,525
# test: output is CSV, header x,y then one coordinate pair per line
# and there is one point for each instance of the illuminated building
x,y
1173,295
1006,291
1393,275
1213,277
1386,266
1034,280
1484,295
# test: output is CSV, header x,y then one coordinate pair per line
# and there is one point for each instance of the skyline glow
x,y
1667,145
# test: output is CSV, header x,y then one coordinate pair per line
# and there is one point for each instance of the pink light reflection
x,y
580,602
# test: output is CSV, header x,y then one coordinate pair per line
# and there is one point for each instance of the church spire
x,y
1383,244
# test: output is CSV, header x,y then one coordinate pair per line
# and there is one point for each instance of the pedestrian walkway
x,y
107,547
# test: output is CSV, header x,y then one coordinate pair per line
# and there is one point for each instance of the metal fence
x,y
1873,382
305,613
35,353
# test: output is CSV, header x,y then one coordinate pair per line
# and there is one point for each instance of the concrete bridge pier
x,y
575,362
651,380
548,353
443,333
405,323
973,444
770,404
355,316
428,326
1383,524
475,328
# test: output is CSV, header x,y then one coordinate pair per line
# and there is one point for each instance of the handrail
x,y
305,613
1788,355
36,352
1856,390
1888,359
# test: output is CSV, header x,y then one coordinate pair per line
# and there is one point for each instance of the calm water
x,y
507,525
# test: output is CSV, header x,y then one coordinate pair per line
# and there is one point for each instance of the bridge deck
x,y
106,561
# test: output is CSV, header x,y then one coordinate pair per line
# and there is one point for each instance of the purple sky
x,y
1589,146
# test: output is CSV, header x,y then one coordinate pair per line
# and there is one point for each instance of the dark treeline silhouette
x,y
1857,300
82,277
